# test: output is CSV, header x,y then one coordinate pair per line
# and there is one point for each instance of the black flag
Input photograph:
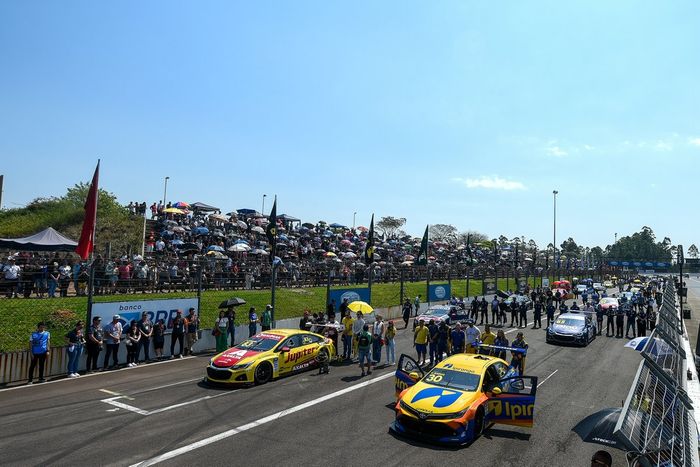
x,y
469,248
422,257
271,231
369,246
516,255
495,250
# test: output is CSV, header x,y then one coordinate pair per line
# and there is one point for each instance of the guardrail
x,y
657,423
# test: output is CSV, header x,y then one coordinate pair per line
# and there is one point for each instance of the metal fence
x,y
657,422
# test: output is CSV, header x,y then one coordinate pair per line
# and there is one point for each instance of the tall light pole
x,y
263,207
165,191
615,237
555,193
353,220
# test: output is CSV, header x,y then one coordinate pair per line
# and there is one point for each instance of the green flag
x,y
422,257
369,246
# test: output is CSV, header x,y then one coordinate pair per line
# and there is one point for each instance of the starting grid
x,y
657,422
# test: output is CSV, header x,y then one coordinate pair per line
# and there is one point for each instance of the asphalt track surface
x,y
161,414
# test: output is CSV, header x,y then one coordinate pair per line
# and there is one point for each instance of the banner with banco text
x,y
157,309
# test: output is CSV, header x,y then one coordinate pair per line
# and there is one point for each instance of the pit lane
x,y
200,425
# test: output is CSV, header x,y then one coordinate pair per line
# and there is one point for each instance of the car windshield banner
x,y
439,292
489,287
156,309
352,294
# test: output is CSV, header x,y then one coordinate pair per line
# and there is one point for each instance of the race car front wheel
x,y
479,422
263,373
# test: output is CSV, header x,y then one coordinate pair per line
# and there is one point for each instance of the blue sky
x,y
468,113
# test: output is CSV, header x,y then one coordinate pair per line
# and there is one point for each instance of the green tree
x,y
693,251
390,226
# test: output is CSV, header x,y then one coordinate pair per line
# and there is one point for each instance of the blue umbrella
x,y
283,237
201,231
177,242
166,233
335,225
240,240
215,248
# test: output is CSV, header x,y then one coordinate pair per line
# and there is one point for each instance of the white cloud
x,y
663,146
556,151
588,147
694,141
491,183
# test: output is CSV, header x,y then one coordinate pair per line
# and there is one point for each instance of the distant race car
x,y
438,313
460,398
519,299
572,328
608,302
598,287
608,284
268,355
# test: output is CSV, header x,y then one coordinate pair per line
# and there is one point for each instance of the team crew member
x,y
364,344
389,335
266,319
146,327
40,342
631,322
178,335
537,319
619,322
599,313
357,327
550,313
93,344
113,336
513,313
442,341
472,334
192,326
347,336
522,319
252,322
487,338
457,338
495,315
432,341
611,321
420,341
519,358
484,309
500,341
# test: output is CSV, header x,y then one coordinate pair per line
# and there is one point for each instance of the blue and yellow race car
x,y
460,397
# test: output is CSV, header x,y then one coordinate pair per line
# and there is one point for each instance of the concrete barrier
x,y
14,366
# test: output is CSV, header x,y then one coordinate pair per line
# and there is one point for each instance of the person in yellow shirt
x,y
420,341
487,338
347,335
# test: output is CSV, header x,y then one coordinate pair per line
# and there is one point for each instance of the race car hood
x,y
436,318
430,399
566,329
234,356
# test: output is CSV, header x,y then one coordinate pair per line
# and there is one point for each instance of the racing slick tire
x,y
479,421
263,373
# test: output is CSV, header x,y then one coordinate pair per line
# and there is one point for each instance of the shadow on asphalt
x,y
420,444
506,434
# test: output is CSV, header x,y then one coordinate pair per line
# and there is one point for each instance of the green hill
x,y
65,214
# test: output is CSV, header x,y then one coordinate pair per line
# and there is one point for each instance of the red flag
x,y
87,236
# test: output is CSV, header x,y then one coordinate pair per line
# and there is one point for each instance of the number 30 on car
x,y
460,398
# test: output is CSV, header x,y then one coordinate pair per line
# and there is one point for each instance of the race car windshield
x,y
256,343
569,322
453,379
435,312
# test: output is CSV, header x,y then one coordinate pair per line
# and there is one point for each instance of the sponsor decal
x,y
443,397
506,409
275,337
233,356
293,355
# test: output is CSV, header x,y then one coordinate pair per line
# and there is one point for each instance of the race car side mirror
x,y
285,349
414,375
496,391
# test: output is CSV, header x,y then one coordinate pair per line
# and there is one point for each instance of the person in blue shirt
x,y
40,342
252,322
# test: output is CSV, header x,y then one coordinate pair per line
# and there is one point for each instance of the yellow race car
x,y
268,355
460,397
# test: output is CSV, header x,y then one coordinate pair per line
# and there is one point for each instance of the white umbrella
x,y
350,255
242,225
239,247
258,229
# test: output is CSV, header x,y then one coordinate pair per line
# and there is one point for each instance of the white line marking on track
x,y
275,416
114,393
124,406
552,374
140,391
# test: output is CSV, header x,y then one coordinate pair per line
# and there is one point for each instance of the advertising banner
x,y
157,309
439,292
351,293
489,287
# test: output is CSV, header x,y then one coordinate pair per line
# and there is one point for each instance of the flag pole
x,y
369,257
91,267
272,238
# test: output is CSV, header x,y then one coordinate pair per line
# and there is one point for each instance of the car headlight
x,y
242,366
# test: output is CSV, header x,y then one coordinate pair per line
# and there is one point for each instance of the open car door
x,y
407,373
512,401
